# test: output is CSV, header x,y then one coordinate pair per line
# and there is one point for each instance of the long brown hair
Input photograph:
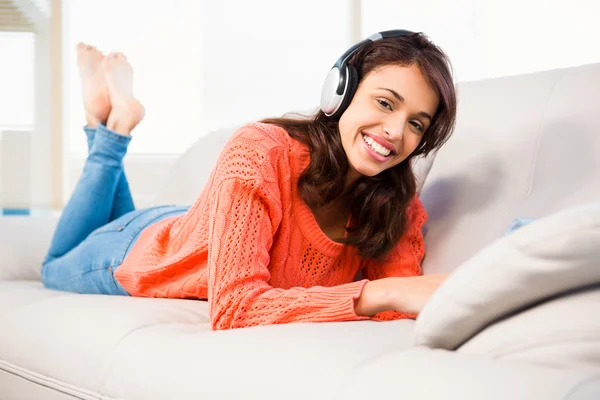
x,y
377,204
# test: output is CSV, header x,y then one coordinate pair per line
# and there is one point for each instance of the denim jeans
x,y
99,224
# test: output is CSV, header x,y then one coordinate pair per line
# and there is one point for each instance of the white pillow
x,y
552,255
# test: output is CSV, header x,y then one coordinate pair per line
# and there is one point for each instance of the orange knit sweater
x,y
253,248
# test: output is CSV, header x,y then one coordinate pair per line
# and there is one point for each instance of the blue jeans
x,y
99,224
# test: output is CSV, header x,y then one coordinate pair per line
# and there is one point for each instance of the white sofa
x,y
525,146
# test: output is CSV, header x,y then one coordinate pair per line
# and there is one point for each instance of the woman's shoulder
x,y
255,151
261,136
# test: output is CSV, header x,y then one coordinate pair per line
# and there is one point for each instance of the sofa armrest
x,y
425,374
24,242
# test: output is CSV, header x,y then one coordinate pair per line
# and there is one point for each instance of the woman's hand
x,y
405,294
412,293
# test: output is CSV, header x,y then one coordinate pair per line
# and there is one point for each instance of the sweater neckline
x,y
305,217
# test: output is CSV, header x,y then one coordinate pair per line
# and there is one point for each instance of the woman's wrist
x,y
375,297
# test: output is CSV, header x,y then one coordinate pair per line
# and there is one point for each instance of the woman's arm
x,y
406,295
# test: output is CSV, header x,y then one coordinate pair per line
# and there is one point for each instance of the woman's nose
x,y
394,129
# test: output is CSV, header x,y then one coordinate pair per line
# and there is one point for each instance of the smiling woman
x,y
404,106
294,209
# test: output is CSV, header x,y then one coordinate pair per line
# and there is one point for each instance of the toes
x,y
115,59
97,52
82,47
117,56
109,60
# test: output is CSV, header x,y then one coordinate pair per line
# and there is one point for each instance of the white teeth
x,y
379,149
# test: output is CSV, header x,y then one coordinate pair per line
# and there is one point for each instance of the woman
x,y
294,210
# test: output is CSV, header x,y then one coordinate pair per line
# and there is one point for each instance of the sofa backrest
x,y
524,146
191,171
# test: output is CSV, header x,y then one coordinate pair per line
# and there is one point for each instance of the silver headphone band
x,y
341,63
374,37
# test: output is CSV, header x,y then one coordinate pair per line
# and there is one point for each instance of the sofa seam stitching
x,y
48,382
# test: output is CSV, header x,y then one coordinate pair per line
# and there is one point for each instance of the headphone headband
x,y
374,37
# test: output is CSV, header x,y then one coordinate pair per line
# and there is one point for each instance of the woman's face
x,y
386,119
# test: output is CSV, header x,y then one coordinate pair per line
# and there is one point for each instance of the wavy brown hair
x,y
378,204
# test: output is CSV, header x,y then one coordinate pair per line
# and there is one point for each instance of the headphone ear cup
x,y
330,100
352,75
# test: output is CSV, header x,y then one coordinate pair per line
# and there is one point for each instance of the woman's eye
x,y
385,104
418,126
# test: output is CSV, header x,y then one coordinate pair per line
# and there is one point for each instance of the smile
x,y
375,150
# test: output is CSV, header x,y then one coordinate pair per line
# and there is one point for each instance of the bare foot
x,y
126,110
93,84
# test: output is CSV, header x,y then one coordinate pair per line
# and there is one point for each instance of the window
x,y
17,80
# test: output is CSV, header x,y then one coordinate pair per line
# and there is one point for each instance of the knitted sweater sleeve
x,y
405,258
243,218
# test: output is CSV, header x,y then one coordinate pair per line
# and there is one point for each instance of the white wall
x,y
492,38
265,57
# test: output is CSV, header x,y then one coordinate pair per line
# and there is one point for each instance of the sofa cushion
x,y
94,346
563,332
425,374
545,258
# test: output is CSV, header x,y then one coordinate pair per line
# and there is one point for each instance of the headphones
x,y
342,80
